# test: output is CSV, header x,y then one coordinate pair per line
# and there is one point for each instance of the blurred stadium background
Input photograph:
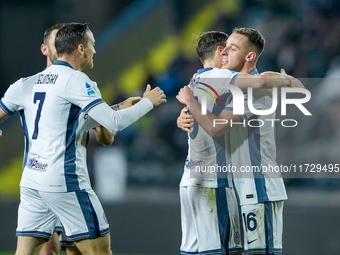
x,y
151,41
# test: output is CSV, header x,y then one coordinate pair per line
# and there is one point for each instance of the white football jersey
x,y
253,153
53,106
207,158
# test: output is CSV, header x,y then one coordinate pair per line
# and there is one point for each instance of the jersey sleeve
x,y
91,123
227,76
12,100
247,113
118,120
83,92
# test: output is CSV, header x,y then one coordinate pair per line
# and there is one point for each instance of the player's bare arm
x,y
129,102
185,96
3,115
104,136
276,79
185,121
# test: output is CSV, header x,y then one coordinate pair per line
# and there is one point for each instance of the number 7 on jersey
x,y
41,97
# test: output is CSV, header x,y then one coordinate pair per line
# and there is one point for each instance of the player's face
x,y
235,52
89,50
51,51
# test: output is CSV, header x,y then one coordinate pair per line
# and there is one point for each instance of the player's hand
x,y
104,136
0,132
156,96
295,83
184,95
129,102
185,121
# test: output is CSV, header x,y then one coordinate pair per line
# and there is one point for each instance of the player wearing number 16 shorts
x,y
260,195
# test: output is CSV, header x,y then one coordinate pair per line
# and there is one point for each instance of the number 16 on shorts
x,y
262,227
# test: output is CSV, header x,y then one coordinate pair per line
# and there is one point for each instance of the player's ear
x,y
219,49
251,56
44,50
81,49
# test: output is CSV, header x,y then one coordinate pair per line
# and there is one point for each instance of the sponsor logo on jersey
x,y
195,163
34,164
89,89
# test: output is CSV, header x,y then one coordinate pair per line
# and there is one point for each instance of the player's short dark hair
x,y
208,42
69,36
49,30
255,39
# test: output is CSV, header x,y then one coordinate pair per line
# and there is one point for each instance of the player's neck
x,y
72,61
210,63
248,67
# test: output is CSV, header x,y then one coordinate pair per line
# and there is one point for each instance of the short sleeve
x,y
83,92
12,100
229,107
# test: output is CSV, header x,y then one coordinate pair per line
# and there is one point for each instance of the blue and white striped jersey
x,y
207,155
253,152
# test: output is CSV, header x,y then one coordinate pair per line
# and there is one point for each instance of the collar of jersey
x,y
254,71
62,63
199,71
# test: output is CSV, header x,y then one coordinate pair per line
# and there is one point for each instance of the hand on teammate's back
x,y
295,82
129,102
156,96
185,121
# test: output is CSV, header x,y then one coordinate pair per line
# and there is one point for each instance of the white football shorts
x,y
80,213
262,227
210,221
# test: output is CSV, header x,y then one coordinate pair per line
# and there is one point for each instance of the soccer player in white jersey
x,y
206,199
262,215
55,177
103,136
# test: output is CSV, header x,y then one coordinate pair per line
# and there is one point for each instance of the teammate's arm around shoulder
x,y
267,80
244,81
282,79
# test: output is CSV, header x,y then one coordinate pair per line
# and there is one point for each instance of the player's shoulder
x,y
218,73
79,76
30,79
24,80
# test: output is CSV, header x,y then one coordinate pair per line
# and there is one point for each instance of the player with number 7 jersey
x,y
51,165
